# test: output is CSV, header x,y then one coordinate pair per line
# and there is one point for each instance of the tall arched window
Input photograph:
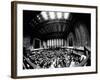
x,y
37,43
70,39
70,42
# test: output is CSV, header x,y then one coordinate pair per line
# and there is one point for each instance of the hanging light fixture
x,y
52,15
66,15
44,15
59,15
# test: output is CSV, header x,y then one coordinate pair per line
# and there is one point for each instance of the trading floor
x,y
53,39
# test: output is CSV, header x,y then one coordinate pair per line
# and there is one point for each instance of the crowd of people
x,y
53,58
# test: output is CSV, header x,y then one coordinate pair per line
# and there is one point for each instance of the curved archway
x,y
82,35
36,43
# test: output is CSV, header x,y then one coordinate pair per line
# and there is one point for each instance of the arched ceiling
x,y
51,24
